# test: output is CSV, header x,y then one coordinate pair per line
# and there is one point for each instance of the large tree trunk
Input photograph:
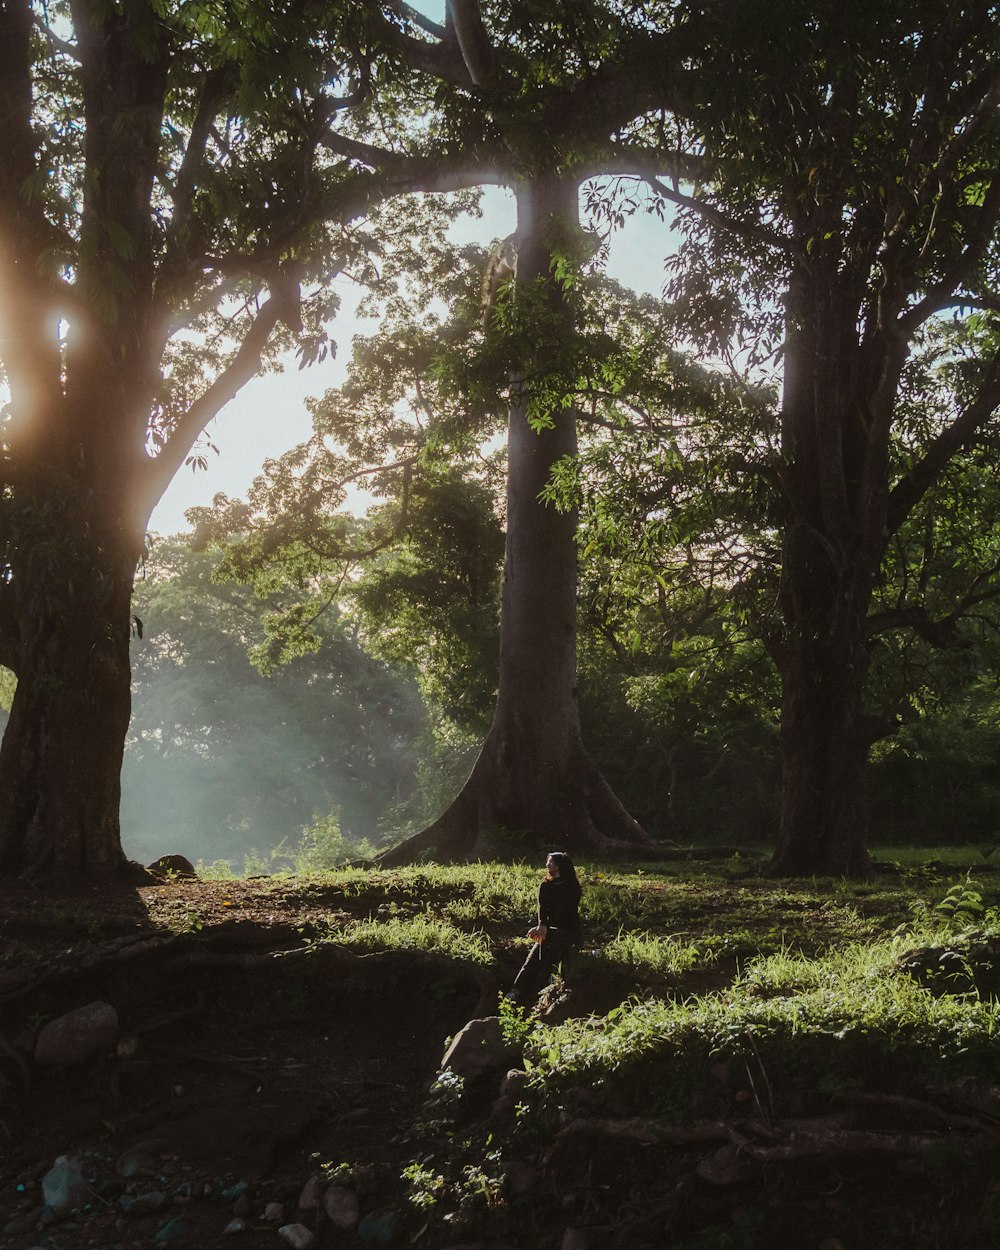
x,y
836,409
61,756
534,784
825,734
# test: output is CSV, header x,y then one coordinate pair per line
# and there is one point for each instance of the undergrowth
x,y
702,996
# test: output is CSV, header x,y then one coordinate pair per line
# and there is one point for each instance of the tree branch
x,y
650,171
982,235
158,471
216,86
794,1139
62,46
627,160
417,18
909,490
939,633
442,58
478,52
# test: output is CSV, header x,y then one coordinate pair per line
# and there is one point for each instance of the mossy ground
x,y
844,1033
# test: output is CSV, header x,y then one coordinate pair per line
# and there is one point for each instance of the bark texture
x,y
534,783
836,417
60,762
93,292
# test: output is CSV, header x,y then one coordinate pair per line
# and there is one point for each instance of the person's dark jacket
x,y
559,905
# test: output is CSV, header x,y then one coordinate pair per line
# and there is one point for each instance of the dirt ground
x,y
250,1059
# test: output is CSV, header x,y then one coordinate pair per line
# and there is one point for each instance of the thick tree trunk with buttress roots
x,y
533,783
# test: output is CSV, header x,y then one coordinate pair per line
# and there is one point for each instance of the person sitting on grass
x,y
558,929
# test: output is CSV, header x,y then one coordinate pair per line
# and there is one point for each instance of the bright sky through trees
x,y
268,416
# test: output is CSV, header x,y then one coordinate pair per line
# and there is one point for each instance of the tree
x,y
176,192
854,169
223,757
551,91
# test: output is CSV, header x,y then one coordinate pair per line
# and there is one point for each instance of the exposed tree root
x,y
72,963
792,1139
329,954
509,807
175,952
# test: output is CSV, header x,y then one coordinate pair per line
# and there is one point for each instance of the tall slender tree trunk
x,y
533,783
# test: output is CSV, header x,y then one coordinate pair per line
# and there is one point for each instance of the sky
x,y
268,416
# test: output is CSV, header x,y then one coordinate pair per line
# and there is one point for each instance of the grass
x,y
744,1000
659,919
966,855
647,953
422,932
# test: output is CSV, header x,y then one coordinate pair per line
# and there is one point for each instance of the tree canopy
x,y
179,186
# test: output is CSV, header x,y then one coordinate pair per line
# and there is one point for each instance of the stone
x,y
235,1226
477,1048
274,1212
503,1108
342,1206
63,1186
297,1236
722,1166
514,1083
243,1206
77,1036
234,1191
23,1223
520,1177
142,1159
172,866
311,1193
173,1230
383,1227
142,1204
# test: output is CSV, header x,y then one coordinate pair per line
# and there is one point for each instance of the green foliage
x,y
773,1028
8,683
960,908
322,845
222,758
422,931
651,953
217,870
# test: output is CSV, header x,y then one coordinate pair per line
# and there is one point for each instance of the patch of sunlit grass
x,y
421,932
646,953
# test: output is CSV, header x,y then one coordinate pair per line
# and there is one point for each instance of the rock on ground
x,y
77,1036
477,1048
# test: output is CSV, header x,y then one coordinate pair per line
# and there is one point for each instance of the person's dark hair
x,y
565,865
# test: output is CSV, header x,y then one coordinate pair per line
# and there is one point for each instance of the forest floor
x,y
278,1043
